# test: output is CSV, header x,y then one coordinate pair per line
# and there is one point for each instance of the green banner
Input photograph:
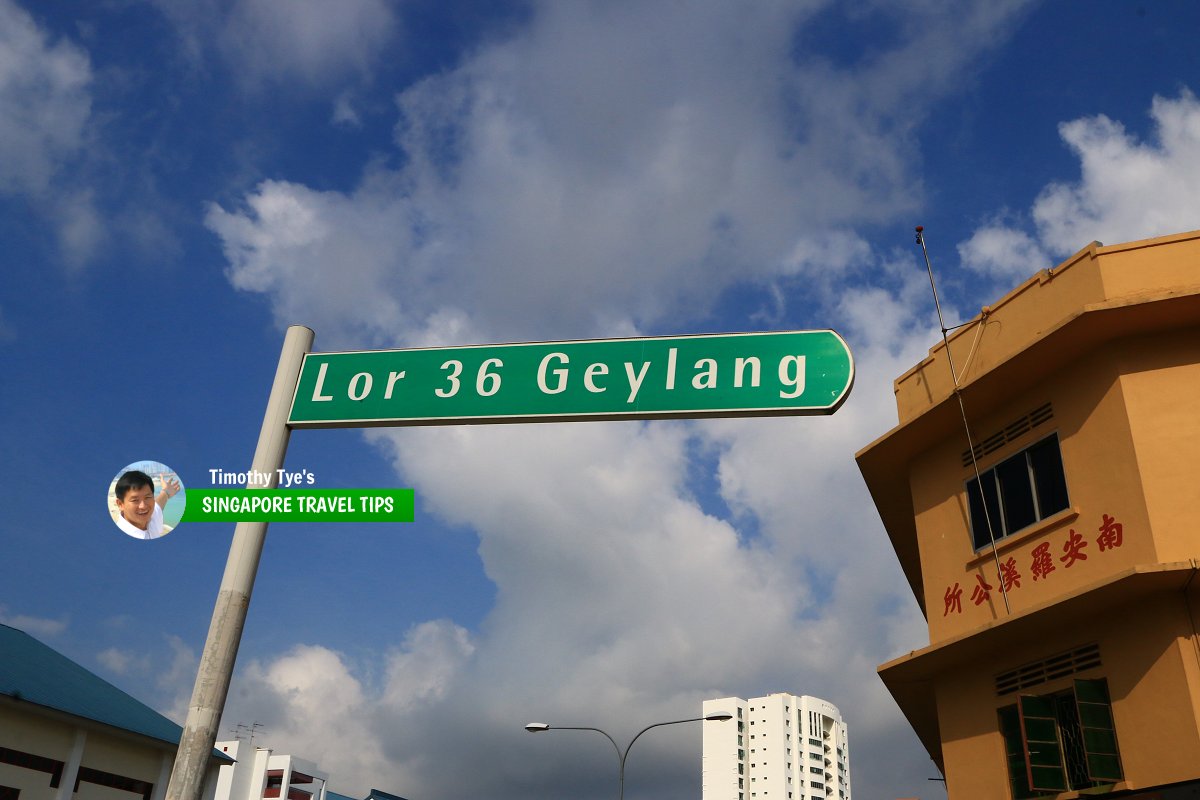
x,y
724,375
299,505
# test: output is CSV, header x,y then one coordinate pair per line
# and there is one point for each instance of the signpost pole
x,y
233,600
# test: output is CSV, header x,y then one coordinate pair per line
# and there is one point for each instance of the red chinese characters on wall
x,y
982,591
1111,535
1073,549
1009,576
1042,564
953,599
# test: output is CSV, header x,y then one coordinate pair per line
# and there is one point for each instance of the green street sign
x,y
724,375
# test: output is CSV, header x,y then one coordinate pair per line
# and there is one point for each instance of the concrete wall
x,y
54,736
1101,464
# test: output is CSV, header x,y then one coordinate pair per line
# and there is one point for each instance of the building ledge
x,y
1004,545
911,678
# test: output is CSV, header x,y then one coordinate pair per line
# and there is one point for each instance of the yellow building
x,y
1055,561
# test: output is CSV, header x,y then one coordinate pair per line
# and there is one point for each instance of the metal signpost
x,y
723,375
229,615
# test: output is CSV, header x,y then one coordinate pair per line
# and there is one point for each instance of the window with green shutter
x,y
1043,749
1061,741
1014,753
1097,731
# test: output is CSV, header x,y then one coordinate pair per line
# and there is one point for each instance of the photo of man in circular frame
x,y
146,500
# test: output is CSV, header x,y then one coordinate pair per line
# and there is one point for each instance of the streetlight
x,y
539,727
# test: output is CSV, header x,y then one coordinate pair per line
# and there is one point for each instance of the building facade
x,y
261,773
258,773
67,734
1054,553
782,747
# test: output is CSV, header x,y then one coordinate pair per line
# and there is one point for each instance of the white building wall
x,y
247,778
293,764
783,747
722,771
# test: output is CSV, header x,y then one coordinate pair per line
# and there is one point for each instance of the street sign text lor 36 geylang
x,y
748,374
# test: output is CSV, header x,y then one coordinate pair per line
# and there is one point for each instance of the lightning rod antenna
x,y
963,411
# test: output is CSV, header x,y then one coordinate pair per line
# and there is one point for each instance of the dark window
x,y
1061,741
30,761
102,778
1017,492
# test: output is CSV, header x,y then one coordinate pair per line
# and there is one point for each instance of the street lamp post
x,y
538,727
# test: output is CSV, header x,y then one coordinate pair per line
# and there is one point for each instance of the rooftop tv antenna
x,y
242,728
963,411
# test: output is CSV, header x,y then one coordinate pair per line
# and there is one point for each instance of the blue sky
x,y
179,181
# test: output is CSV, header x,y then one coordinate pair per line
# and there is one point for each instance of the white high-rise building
x,y
778,747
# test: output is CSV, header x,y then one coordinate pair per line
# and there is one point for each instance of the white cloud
x,y
609,166
422,671
1128,189
614,167
194,22
1007,254
36,626
182,665
175,681
121,662
315,42
344,112
162,676
292,238
304,44
80,227
45,108
620,601
310,703
44,103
